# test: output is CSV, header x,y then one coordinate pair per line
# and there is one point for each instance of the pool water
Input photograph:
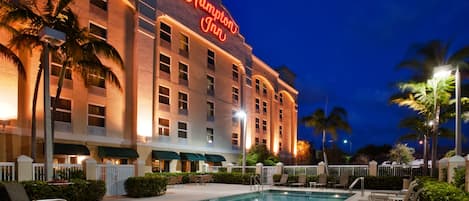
x,y
277,195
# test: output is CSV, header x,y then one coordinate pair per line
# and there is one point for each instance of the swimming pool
x,y
278,195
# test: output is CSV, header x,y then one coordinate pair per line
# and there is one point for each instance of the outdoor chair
x,y
16,192
343,181
283,180
301,181
410,194
322,181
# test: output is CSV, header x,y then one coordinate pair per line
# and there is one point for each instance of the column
x,y
173,165
139,166
442,166
229,167
321,168
373,168
454,163
24,170
279,168
259,167
89,166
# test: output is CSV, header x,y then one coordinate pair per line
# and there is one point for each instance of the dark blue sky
x,y
347,51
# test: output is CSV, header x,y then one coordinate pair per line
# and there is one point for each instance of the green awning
x,y
214,158
164,155
192,156
115,152
70,149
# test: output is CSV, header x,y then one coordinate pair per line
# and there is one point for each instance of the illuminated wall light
x,y
81,158
144,127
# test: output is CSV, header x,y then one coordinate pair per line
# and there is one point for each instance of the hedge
x,y
231,178
147,186
79,190
441,191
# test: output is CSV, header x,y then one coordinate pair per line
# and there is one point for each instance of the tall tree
x,y
323,124
81,52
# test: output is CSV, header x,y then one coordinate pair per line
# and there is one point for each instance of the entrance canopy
x,y
116,152
214,158
192,156
164,155
70,149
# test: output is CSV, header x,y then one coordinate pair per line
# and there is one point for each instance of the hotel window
x,y
264,107
281,98
280,114
99,3
264,126
183,45
258,107
235,73
165,63
280,131
257,125
64,110
183,76
235,95
210,85
257,141
210,135
182,103
210,111
182,130
96,115
234,139
163,127
210,59
234,118
98,31
279,146
264,141
163,95
257,85
264,89
56,67
165,32
96,79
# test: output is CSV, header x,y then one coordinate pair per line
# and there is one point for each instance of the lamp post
x,y
445,71
49,37
242,116
350,145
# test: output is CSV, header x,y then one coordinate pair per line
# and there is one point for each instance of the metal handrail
x,y
255,181
362,179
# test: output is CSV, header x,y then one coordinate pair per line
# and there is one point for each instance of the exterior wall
x,y
132,112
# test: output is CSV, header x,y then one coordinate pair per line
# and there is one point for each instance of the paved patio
x,y
196,192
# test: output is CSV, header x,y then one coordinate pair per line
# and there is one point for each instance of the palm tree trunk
x,y
324,151
436,125
57,97
425,155
33,114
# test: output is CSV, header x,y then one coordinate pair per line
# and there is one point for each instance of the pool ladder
x,y
255,183
362,179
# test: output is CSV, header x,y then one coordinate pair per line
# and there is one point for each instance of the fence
x,y
399,170
61,171
351,170
114,176
298,170
7,171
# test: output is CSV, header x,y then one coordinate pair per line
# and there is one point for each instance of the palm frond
x,y
104,49
6,53
60,6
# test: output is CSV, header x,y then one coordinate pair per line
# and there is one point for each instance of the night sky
x,y
347,51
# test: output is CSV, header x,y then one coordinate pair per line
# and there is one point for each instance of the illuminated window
x,y
258,107
99,3
96,79
280,114
183,45
182,103
264,107
257,85
210,135
264,89
210,59
165,32
235,73
182,130
96,115
257,125
281,98
257,141
163,95
64,110
234,118
165,63
210,111
264,126
183,76
235,139
235,95
163,127
210,85
98,31
280,131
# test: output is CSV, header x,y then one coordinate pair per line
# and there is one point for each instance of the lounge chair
x,y
322,181
301,181
343,181
410,194
16,192
283,180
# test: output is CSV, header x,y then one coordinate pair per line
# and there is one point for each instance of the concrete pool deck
x,y
196,192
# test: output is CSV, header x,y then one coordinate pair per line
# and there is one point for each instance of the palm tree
x,y
80,51
323,124
9,55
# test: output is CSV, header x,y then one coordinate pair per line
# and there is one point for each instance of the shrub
x,y
79,190
380,183
459,178
147,186
70,174
231,178
441,191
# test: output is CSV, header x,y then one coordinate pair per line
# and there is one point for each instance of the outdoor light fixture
x,y
49,37
443,72
350,144
241,114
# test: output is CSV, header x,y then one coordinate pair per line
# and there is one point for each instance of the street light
x,y
350,145
445,71
50,37
241,114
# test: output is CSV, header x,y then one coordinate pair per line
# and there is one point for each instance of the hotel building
x,y
187,72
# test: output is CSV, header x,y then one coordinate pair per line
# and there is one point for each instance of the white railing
x,y
114,176
215,169
351,170
60,171
38,172
299,170
239,169
7,171
399,170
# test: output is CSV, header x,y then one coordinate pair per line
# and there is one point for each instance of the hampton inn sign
x,y
217,18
